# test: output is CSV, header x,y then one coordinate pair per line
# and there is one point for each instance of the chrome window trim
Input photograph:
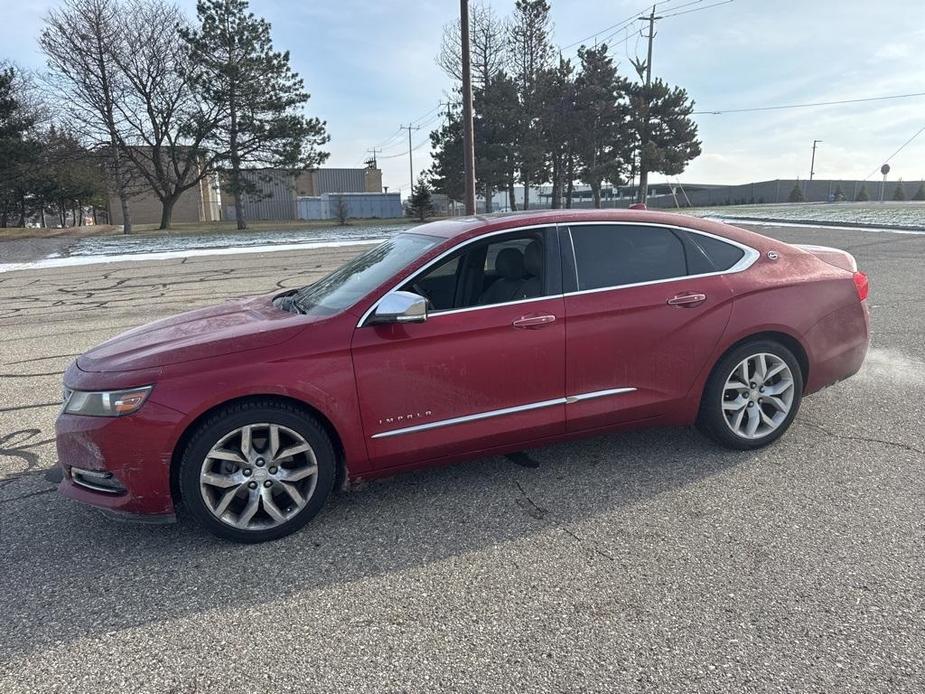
x,y
501,412
748,259
449,251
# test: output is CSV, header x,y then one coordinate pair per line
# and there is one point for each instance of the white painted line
x,y
70,261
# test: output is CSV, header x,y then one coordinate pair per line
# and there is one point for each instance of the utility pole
x,y
372,159
812,164
409,128
644,140
468,145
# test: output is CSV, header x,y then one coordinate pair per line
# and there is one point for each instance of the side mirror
x,y
401,307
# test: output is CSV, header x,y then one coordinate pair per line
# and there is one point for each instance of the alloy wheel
x,y
758,396
258,476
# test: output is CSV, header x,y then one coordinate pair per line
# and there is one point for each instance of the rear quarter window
x,y
713,256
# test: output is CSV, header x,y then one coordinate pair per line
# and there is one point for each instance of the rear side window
x,y
611,255
711,255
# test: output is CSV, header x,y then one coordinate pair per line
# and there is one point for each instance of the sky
x,y
370,68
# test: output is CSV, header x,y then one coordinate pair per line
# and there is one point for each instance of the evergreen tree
x,y
666,136
419,202
862,195
899,193
496,136
255,95
920,193
531,52
796,195
557,122
20,151
602,145
446,172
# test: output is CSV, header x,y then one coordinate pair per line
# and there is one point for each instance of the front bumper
x,y
135,450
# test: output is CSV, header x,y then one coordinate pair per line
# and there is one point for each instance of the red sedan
x,y
459,338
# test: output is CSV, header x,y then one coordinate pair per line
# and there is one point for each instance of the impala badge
x,y
411,416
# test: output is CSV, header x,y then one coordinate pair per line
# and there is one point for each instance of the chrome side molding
x,y
503,411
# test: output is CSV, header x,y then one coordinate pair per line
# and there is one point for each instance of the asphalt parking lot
x,y
650,561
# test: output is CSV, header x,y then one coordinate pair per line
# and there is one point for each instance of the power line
x,y
698,9
905,144
404,153
808,105
614,29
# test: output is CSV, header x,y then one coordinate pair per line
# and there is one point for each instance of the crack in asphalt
x,y
537,512
30,407
47,373
27,495
32,359
866,439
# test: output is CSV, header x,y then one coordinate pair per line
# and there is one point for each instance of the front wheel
x,y
752,396
257,471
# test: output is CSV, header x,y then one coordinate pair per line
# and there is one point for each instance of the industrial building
x,y
281,195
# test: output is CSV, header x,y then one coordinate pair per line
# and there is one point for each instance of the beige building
x,y
279,191
201,203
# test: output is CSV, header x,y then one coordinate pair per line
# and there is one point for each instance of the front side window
x,y
498,270
614,255
351,282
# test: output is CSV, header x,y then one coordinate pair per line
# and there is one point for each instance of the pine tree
x,y
603,142
557,122
862,195
419,202
920,193
531,52
496,136
20,151
899,193
255,94
666,136
796,195
446,171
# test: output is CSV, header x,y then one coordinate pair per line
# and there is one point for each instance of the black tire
x,y
711,420
231,417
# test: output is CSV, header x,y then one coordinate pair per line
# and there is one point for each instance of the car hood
x,y
234,326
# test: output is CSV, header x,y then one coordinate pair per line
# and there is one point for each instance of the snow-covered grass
x,y
899,214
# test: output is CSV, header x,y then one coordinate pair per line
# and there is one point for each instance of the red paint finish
x,y
369,380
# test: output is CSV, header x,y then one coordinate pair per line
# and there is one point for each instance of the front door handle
x,y
687,300
535,321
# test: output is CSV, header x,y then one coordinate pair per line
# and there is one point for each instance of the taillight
x,y
861,284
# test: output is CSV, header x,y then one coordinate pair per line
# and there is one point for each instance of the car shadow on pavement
x,y
72,573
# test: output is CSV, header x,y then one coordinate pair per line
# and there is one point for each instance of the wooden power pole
x,y
644,140
468,144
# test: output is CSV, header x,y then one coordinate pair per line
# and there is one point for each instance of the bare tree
x,y
164,123
488,46
78,41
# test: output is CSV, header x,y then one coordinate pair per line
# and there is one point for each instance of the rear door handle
x,y
535,321
687,300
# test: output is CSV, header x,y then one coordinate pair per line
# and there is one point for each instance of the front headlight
x,y
107,403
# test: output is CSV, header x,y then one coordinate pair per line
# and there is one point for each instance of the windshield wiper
x,y
289,302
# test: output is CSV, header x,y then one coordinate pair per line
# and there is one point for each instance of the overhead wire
x,y
719,112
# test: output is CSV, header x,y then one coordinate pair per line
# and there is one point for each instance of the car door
x,y
485,369
645,306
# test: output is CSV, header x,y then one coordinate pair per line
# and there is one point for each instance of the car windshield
x,y
351,282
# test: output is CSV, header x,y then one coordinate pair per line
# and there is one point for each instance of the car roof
x,y
466,227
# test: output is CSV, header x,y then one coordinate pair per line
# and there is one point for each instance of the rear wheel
x,y
752,395
257,471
